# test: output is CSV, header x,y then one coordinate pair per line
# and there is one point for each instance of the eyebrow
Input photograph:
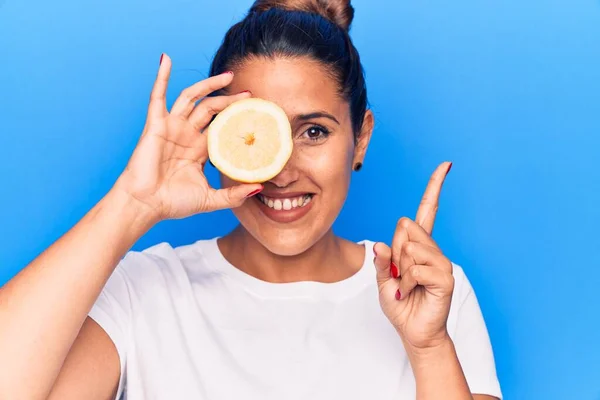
x,y
316,114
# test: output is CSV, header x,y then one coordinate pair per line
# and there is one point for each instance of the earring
x,y
357,166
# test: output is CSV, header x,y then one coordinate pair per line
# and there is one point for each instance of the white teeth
x,y
287,204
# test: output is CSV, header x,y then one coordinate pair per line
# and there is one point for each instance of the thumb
x,y
233,196
383,262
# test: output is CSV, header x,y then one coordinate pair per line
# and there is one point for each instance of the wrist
x,y
438,373
437,349
130,211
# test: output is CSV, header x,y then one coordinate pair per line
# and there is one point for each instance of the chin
x,y
287,243
285,233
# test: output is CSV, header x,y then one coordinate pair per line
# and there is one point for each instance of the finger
x,y
436,281
382,262
232,197
430,201
186,101
211,106
408,230
414,253
158,103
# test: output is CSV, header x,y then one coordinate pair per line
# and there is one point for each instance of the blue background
x,y
507,90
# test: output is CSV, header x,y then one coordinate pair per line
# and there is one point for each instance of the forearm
x,y
43,308
438,373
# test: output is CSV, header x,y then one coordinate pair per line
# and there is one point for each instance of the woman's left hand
x,y
414,277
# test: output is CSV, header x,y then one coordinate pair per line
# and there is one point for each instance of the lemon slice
x,y
250,141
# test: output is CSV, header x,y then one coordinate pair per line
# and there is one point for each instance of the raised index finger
x,y
430,201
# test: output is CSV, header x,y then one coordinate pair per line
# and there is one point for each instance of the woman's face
x,y
315,181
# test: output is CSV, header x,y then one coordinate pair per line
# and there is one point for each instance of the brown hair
x,y
340,12
318,29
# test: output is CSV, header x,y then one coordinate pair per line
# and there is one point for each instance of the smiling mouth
x,y
285,204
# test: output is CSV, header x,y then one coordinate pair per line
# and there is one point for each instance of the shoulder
x,y
165,264
462,285
468,330
464,308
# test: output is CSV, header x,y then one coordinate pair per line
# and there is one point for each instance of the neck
x,y
331,259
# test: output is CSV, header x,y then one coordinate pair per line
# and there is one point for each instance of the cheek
x,y
329,165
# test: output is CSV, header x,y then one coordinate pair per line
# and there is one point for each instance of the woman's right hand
x,y
165,173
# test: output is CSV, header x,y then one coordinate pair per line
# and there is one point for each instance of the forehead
x,y
298,85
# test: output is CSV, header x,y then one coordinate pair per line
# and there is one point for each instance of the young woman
x,y
280,308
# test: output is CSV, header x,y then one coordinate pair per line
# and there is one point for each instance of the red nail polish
x,y
229,72
449,168
161,57
394,271
254,192
247,91
398,295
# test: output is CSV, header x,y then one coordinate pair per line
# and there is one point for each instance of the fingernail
x,y
254,192
394,270
228,72
449,168
161,57
247,91
398,295
374,251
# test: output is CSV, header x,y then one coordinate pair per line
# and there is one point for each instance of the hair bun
x,y
340,12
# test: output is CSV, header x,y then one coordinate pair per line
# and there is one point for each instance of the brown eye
x,y
316,133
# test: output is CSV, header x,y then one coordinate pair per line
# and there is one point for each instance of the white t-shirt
x,y
189,325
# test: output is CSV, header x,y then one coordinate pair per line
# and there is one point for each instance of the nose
x,y
288,175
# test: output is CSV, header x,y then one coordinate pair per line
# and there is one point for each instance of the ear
x,y
362,141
